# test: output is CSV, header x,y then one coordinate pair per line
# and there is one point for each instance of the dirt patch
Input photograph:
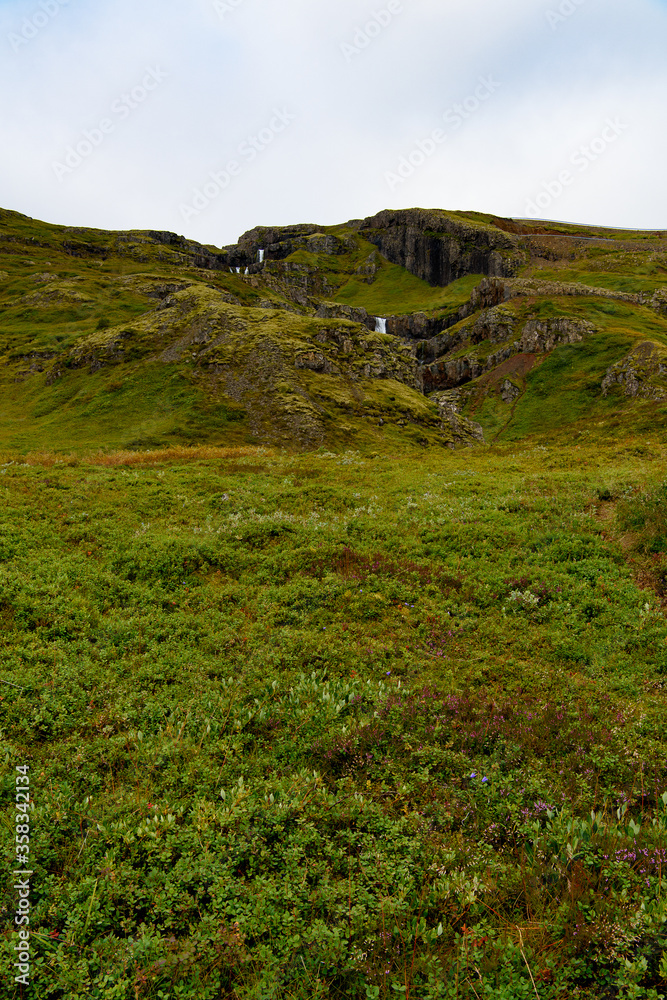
x,y
605,511
519,366
516,367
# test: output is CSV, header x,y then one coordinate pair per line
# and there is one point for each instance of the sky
x,y
210,117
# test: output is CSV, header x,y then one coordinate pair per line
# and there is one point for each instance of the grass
x,y
336,725
140,406
396,292
141,387
377,719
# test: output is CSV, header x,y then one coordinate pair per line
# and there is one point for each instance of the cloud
x,y
365,84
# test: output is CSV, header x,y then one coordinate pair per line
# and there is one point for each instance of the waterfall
x,y
247,271
238,270
261,256
380,325
231,270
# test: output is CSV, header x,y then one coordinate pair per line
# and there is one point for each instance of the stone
x,y
537,337
335,310
642,374
316,362
509,392
439,248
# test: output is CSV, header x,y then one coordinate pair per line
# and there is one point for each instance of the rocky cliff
x,y
494,326
642,374
439,248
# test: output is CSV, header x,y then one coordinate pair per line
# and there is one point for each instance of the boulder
x,y
642,374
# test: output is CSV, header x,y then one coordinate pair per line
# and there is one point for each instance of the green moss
x,y
99,307
395,292
566,387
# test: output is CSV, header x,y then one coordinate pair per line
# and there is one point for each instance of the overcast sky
x,y
209,117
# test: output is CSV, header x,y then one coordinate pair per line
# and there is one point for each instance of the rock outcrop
x,y
537,337
495,325
334,310
460,431
642,374
492,291
420,326
542,336
509,392
438,247
264,360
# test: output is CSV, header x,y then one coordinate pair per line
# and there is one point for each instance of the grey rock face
x,y
537,337
492,291
418,326
461,431
659,301
438,248
334,310
509,392
496,324
349,351
642,374
316,362
369,269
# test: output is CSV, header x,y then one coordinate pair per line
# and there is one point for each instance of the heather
x,y
339,724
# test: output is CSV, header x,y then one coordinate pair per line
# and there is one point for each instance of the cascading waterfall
x,y
380,324
247,271
261,256
238,270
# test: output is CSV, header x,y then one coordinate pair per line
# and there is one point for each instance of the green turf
x,y
335,725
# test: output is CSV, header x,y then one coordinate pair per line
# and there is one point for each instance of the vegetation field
x,y
339,724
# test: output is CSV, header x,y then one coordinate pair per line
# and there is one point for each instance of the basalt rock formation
x,y
537,337
438,248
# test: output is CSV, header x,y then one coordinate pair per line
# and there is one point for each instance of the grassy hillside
x,y
312,702
114,339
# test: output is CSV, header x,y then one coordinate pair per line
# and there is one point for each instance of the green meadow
x,y
343,724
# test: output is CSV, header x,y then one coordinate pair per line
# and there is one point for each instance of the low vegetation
x,y
314,704
339,725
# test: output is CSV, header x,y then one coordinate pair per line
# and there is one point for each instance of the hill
x,y
495,329
301,696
